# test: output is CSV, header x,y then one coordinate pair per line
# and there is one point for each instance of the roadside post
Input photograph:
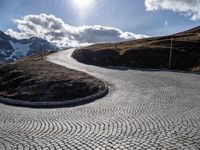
x,y
170,53
41,50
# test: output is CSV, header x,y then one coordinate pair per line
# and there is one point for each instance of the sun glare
x,y
82,4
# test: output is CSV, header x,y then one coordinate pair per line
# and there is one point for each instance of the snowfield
x,y
20,50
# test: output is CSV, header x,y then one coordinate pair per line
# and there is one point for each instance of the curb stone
x,y
54,104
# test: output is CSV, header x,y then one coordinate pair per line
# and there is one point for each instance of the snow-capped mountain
x,y
12,49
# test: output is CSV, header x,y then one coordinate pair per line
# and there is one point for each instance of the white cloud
x,y
189,8
56,31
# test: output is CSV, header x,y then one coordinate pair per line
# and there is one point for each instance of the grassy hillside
x,y
147,53
33,79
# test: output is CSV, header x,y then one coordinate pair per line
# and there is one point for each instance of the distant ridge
x,y
193,30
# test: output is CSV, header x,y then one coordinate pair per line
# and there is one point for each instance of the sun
x,y
82,4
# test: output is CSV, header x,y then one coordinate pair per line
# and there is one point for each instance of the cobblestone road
x,y
143,110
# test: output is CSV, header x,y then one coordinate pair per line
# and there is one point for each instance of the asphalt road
x,y
143,110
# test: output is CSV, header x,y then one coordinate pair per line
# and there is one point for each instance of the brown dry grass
x,y
33,79
146,53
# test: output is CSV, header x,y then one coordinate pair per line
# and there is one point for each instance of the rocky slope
x,y
147,53
12,49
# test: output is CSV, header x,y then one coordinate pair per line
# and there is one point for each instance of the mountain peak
x,y
36,39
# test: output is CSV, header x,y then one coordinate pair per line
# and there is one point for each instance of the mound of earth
x,y
147,53
35,80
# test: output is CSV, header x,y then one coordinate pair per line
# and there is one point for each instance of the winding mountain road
x,y
143,110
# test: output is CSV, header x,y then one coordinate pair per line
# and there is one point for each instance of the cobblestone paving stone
x,y
143,110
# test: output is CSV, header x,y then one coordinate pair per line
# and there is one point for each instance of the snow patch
x,y
3,51
20,50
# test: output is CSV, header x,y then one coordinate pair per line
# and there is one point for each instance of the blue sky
x,y
126,15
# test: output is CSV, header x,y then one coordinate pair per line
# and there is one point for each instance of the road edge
x,y
54,104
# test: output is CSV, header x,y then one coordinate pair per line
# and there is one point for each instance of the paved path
x,y
143,110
